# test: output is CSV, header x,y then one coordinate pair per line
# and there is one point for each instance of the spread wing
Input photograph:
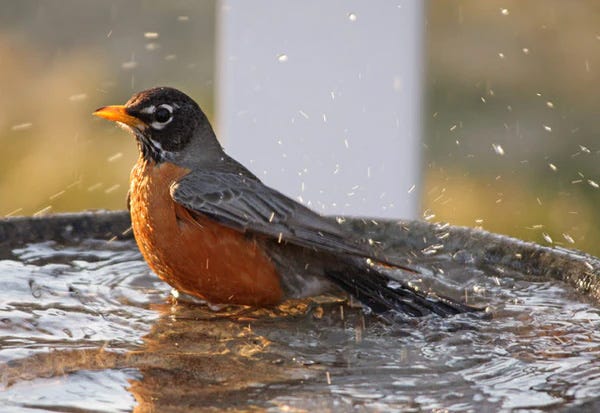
x,y
247,205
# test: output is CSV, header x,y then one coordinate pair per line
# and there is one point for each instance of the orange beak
x,y
117,113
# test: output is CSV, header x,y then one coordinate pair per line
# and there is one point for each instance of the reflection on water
x,y
87,327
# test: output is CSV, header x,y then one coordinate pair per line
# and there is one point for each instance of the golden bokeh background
x,y
512,130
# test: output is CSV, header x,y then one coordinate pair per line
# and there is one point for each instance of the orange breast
x,y
196,256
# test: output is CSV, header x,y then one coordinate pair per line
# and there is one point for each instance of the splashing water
x,y
86,326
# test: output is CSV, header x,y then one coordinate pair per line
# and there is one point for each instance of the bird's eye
x,y
162,115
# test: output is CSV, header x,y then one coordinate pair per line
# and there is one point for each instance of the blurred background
x,y
511,125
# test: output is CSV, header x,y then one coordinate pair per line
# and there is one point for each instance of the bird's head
x,y
164,121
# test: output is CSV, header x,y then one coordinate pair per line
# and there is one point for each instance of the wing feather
x,y
246,204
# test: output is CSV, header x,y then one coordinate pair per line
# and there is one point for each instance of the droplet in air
x,y
94,187
352,17
111,189
501,55
553,167
593,184
151,35
568,238
152,46
498,149
550,105
132,64
21,126
78,97
13,212
547,128
504,12
57,195
282,58
525,50
428,216
114,157
42,211
547,238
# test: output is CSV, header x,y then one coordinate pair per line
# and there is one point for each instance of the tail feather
x,y
376,290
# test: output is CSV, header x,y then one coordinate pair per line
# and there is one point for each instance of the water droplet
x,y
114,157
22,126
132,64
152,46
352,17
42,211
78,97
151,35
504,12
112,189
553,167
498,149
525,50
501,55
593,184
57,195
550,105
13,212
282,58
547,238
547,128
94,187
183,18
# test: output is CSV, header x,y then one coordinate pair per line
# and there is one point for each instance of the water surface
x,y
87,327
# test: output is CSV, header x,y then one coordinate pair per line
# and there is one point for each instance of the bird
x,y
210,228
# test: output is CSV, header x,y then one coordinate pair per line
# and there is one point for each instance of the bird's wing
x,y
247,205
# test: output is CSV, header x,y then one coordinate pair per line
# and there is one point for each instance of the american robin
x,y
210,228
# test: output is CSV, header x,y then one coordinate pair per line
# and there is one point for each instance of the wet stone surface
x,y
85,326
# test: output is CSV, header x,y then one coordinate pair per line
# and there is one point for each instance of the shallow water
x,y
87,327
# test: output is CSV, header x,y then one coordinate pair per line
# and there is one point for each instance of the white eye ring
x,y
160,125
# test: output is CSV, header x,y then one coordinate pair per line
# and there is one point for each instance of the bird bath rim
x,y
576,268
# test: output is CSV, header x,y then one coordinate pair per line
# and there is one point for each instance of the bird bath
x,y
85,326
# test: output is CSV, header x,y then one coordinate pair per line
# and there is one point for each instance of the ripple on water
x,y
90,322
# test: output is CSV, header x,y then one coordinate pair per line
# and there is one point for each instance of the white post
x,y
322,100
